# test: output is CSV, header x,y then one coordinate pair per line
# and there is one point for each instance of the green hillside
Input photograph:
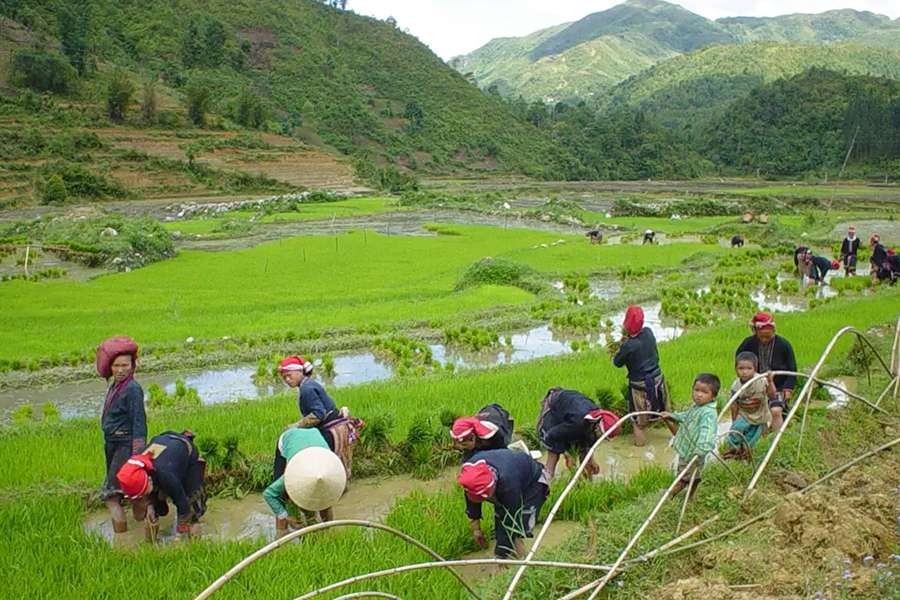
x,y
584,71
807,123
830,26
582,60
686,90
331,78
667,24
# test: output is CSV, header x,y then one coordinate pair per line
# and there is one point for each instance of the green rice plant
x,y
851,284
23,415
789,286
328,365
50,412
471,338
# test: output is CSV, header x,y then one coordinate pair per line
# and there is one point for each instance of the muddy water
x,y
250,518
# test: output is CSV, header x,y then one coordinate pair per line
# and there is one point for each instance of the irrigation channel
x,y
231,383
550,531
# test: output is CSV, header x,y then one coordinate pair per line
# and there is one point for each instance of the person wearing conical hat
x,y
774,353
290,443
515,484
170,468
647,390
491,428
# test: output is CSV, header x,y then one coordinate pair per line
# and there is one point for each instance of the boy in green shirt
x,y
695,430
290,443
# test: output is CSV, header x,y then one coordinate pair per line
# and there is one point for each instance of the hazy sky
x,y
453,27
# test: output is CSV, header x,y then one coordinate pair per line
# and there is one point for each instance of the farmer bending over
x,y
819,267
737,241
318,410
516,485
774,354
490,429
570,420
649,237
170,468
290,443
647,389
695,430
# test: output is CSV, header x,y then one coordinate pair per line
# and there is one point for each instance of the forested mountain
x,y
341,81
807,123
582,60
682,93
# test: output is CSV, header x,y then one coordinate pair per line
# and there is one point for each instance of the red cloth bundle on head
x,y
134,476
478,480
762,320
835,264
606,420
634,320
470,426
295,363
110,349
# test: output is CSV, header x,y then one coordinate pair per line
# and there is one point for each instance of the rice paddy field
x,y
389,289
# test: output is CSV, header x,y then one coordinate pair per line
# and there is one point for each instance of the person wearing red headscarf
x,y
647,390
490,429
774,354
170,468
122,419
515,484
318,410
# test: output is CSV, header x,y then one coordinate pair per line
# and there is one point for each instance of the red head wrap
x,y
469,426
835,264
634,320
762,320
134,477
295,363
478,480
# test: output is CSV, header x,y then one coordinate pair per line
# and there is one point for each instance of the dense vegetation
x,y
808,123
300,68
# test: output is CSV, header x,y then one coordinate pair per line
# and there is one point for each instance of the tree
x,y
149,101
42,71
414,115
198,100
74,21
249,110
213,42
191,48
119,91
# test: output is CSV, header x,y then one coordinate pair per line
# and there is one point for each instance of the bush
x,y
119,91
42,72
79,182
52,190
249,110
498,271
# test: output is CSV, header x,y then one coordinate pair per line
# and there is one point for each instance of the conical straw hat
x,y
315,478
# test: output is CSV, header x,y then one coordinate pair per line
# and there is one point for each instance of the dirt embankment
x,y
837,542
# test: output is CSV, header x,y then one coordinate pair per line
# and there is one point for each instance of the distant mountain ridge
x,y
585,58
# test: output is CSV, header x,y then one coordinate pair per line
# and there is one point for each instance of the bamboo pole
x,y
763,515
447,564
673,542
687,496
807,389
550,516
369,595
599,584
218,583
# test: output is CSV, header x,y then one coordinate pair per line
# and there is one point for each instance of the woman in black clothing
x,y
647,389
849,250
775,354
123,420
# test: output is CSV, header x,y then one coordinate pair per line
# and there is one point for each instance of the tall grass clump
x,y
499,271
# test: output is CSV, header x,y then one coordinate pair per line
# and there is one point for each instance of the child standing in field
x,y
695,430
750,410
